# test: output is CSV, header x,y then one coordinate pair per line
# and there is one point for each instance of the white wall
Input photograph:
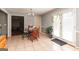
x,y
9,25
29,20
77,20
38,21
77,27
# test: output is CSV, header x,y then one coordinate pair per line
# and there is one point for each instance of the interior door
x,y
3,23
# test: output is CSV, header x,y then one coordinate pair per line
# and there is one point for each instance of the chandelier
x,y
30,11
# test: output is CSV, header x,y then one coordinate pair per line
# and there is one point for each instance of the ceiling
x,y
37,11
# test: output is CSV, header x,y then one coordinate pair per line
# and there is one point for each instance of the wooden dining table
x,y
31,34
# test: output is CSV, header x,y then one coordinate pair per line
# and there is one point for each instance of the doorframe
x,y
60,17
11,21
74,30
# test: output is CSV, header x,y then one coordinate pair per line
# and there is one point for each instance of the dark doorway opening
x,y
17,25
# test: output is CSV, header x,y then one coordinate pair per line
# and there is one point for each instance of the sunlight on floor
x,y
17,43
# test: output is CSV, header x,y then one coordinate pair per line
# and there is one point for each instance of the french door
x,y
63,26
68,26
56,25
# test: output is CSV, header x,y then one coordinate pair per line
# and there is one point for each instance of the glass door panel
x,y
56,25
67,26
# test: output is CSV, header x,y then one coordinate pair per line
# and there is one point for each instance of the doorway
x,y
68,26
17,25
57,25
63,26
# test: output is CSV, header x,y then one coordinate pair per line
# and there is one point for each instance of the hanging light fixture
x,y
30,12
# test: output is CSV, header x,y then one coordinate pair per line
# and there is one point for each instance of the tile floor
x,y
17,43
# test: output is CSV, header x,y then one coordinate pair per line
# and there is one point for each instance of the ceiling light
x,y
30,12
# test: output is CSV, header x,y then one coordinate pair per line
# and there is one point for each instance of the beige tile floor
x,y
17,43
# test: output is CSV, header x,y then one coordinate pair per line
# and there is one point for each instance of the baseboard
x,y
77,47
9,37
44,33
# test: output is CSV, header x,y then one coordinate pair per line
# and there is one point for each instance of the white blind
x,y
56,25
67,26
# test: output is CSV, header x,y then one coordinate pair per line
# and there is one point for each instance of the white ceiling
x,y
37,11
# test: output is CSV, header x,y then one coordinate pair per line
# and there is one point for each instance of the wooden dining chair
x,y
38,31
34,34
